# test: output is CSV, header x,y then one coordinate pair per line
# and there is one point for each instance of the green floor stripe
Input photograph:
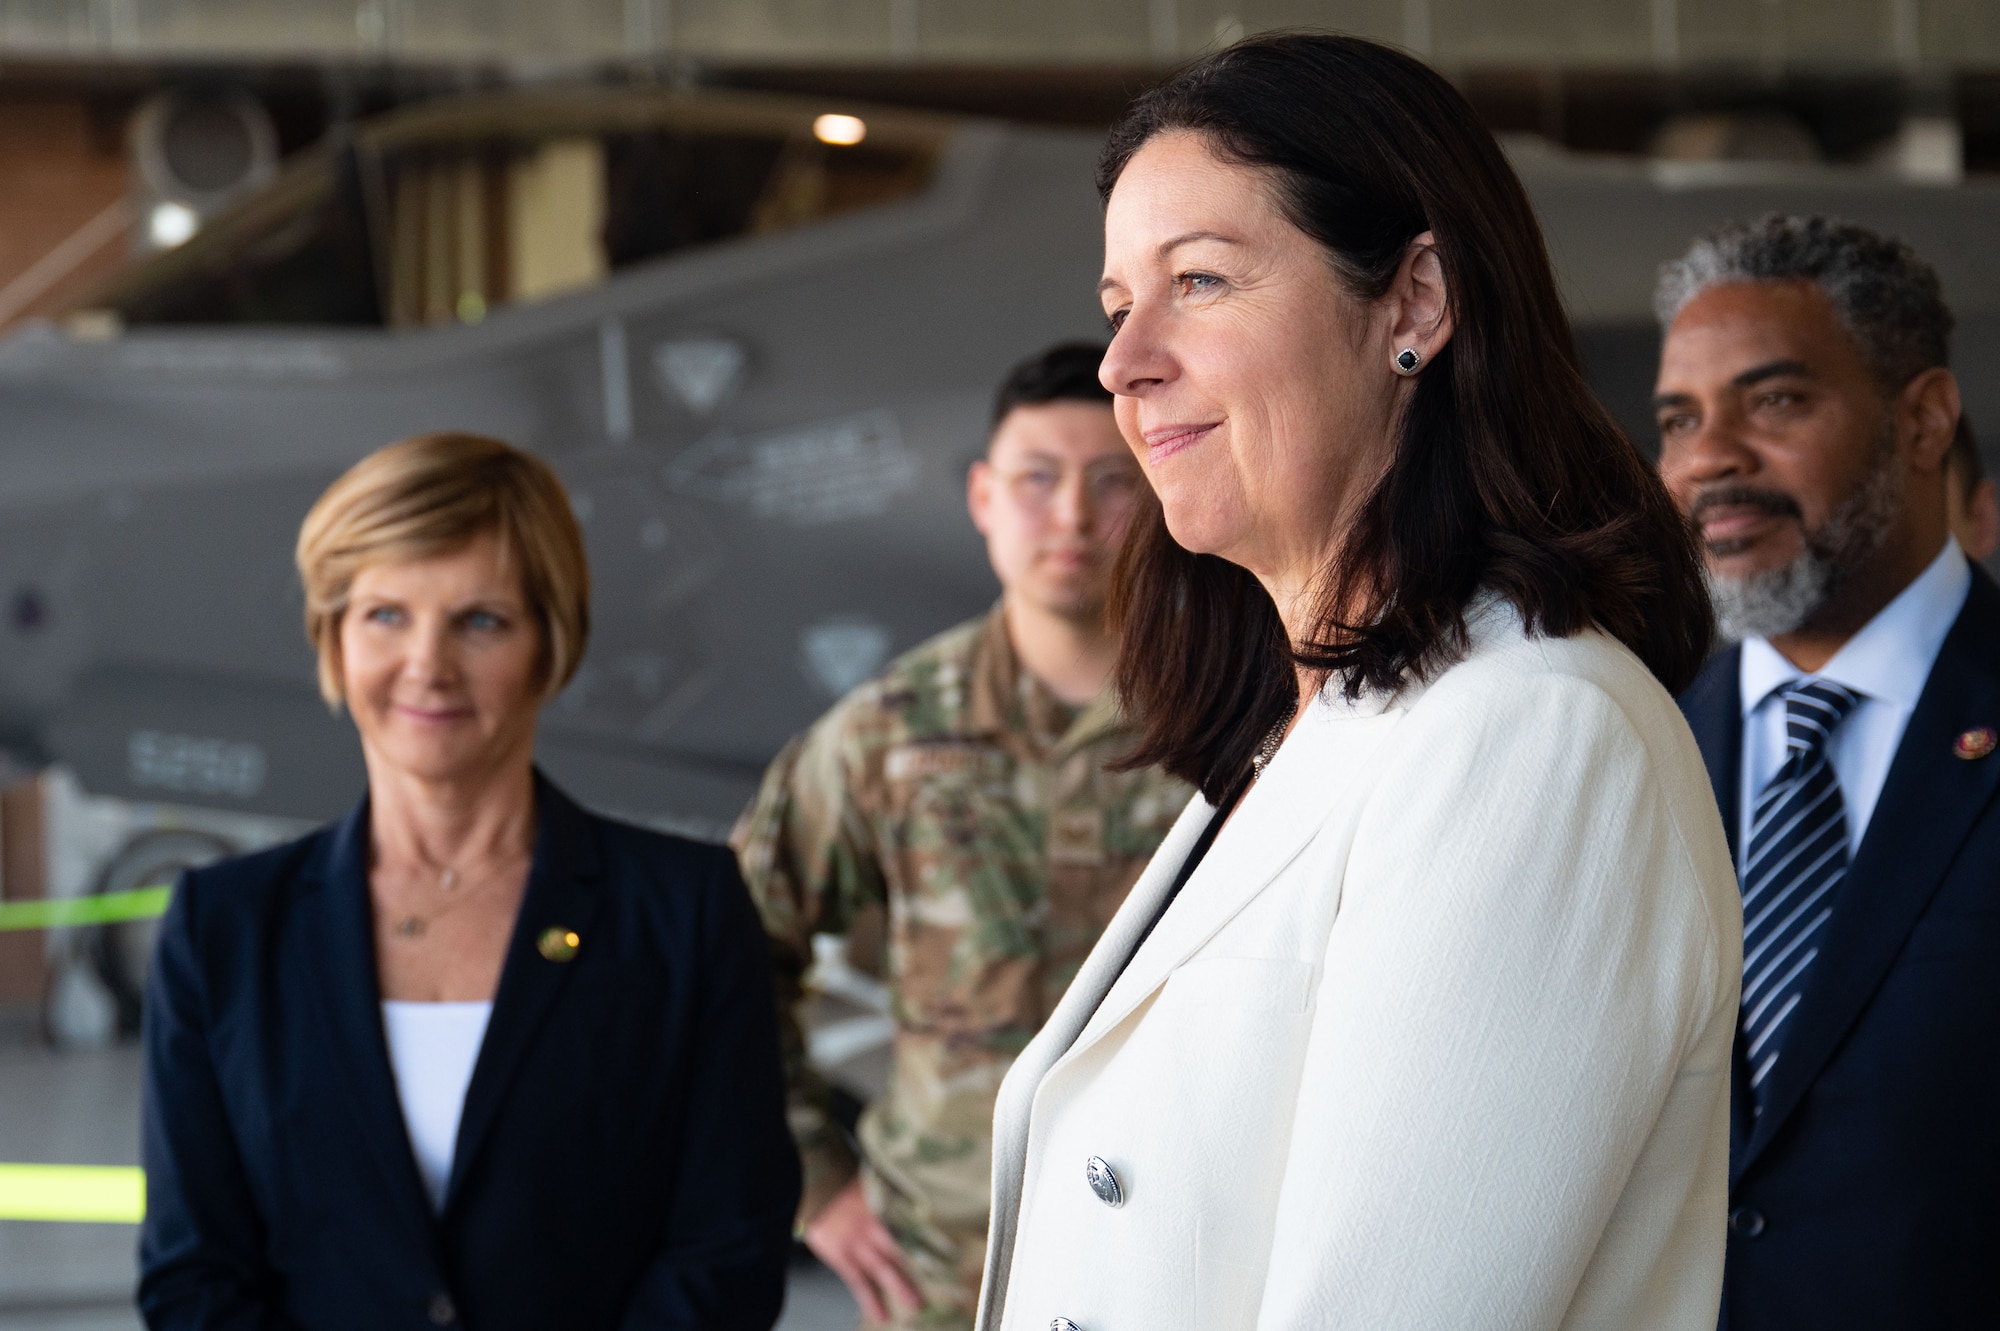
x,y
143,903
93,1194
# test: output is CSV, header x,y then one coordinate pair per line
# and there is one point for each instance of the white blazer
x,y
1437,1035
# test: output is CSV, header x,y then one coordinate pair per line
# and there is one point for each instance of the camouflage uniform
x,y
957,803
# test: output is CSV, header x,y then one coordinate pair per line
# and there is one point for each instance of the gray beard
x,y
1782,600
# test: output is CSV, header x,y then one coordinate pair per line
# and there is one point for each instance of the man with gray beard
x,y
1806,408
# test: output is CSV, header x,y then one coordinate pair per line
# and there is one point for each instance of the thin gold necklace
x,y
413,926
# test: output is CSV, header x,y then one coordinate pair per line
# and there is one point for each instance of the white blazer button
x,y
1103,1182
1064,1324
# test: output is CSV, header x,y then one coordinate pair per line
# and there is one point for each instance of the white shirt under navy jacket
x,y
1886,663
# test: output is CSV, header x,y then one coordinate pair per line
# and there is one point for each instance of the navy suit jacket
x,y
622,1161
1867,1195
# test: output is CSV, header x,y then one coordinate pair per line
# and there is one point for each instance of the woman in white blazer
x,y
1421,1017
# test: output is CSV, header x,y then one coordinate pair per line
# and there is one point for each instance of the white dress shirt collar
x,y
1890,658
1887,663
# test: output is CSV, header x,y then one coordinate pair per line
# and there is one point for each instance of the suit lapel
x,y
562,895
1928,806
1713,706
1272,824
339,926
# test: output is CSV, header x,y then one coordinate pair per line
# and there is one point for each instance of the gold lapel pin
x,y
558,943
1975,743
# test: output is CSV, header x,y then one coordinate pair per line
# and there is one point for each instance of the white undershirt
x,y
432,1047
1887,663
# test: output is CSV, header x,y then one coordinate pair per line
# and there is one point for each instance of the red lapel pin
x,y
1975,743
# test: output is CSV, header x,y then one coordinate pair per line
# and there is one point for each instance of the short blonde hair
x,y
431,495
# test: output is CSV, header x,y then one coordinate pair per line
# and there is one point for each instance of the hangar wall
x,y
62,211
1902,35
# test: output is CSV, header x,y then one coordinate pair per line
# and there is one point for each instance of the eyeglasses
x,y
1109,488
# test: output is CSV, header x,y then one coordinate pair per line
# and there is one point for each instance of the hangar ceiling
x,y
1899,37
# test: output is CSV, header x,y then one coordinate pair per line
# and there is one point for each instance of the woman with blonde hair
x,y
472,1055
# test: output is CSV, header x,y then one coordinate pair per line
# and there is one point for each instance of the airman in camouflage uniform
x,y
958,798
960,821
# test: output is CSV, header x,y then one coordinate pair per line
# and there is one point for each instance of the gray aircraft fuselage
x,y
752,556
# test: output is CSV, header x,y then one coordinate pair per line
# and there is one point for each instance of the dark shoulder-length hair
x,y
1507,473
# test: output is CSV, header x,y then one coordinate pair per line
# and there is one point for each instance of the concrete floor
x,y
83,1108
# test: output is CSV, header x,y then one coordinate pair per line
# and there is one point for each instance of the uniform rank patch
x,y
1076,836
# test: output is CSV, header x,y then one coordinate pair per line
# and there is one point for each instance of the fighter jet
x,y
760,354
757,337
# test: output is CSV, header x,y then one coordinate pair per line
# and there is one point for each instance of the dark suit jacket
x,y
623,1159
1868,1193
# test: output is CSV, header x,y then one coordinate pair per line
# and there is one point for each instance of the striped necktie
x,y
1796,857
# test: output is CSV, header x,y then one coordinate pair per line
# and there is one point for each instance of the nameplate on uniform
x,y
928,761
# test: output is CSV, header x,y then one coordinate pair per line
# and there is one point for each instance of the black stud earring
x,y
1407,360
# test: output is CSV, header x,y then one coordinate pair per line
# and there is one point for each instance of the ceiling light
x,y
170,224
843,130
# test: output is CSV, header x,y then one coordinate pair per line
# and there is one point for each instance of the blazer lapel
x,y
562,896
1272,824
336,918
1059,1033
1928,806
1101,969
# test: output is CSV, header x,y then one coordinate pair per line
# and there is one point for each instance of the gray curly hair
x,y
1889,298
